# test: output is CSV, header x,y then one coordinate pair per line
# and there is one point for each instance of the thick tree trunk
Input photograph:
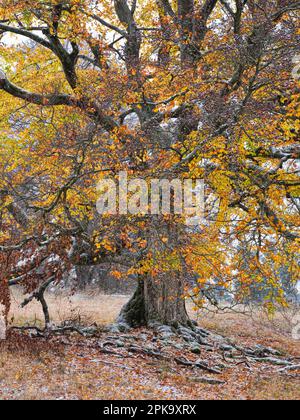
x,y
157,301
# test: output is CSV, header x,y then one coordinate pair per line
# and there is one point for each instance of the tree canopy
x,y
188,89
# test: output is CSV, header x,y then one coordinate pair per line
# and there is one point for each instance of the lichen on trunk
x,y
157,301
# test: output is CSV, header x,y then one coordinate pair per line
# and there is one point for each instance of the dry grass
x,y
92,307
257,328
89,307
32,371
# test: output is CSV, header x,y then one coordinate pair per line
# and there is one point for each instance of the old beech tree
x,y
175,89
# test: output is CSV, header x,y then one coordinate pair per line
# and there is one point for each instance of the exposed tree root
x,y
187,337
173,345
198,364
37,330
197,340
51,330
290,368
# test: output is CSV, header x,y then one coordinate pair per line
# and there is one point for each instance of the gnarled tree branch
x,y
56,99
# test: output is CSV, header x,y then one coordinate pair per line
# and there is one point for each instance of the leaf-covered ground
x,y
139,365
79,368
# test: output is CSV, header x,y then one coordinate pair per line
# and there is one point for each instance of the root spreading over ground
x,y
228,357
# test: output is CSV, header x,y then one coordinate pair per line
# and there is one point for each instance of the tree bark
x,y
157,301
159,298
2,322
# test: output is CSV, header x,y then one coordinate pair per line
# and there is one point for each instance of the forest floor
x,y
137,364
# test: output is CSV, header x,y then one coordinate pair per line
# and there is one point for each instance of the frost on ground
x,y
144,364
